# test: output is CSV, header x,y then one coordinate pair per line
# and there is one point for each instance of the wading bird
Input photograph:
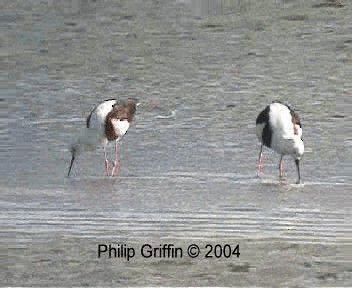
x,y
279,128
108,122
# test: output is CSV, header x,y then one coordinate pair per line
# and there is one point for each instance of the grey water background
x,y
209,65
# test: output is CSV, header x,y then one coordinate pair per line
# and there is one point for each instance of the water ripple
x,y
295,225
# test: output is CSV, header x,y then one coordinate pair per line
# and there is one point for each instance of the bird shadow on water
x,y
101,183
281,182
288,184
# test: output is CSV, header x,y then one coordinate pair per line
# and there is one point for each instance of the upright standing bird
x,y
279,128
108,121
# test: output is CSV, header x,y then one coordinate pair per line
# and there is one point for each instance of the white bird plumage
x,y
284,139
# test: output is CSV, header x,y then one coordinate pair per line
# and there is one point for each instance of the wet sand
x,y
67,261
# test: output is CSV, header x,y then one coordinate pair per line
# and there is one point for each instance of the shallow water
x,y
202,71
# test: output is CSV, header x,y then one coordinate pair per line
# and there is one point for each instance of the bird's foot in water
x,y
107,167
115,169
260,169
260,165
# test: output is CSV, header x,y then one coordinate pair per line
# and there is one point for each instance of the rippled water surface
x,y
203,70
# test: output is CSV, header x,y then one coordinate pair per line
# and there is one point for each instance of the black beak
x,y
72,160
298,171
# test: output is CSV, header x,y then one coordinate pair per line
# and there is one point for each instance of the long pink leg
x,y
106,163
116,167
260,161
280,167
